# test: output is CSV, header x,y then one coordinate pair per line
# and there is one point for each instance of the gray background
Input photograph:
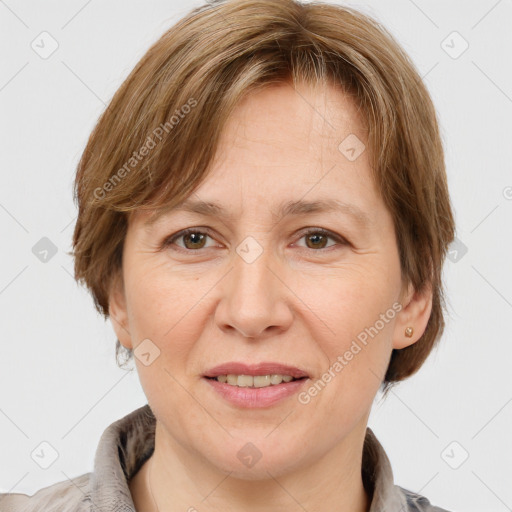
x,y
59,382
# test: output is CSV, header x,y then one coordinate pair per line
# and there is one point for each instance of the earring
x,y
409,331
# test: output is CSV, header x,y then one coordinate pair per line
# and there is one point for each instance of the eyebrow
x,y
287,209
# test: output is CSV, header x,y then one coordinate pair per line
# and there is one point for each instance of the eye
x,y
193,239
316,238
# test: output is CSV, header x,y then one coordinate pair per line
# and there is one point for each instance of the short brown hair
x,y
190,80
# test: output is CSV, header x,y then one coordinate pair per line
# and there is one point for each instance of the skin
x,y
301,302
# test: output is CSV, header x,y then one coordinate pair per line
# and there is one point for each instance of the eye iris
x,y
199,237
316,236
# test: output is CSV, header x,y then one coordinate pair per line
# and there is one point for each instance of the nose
x,y
256,301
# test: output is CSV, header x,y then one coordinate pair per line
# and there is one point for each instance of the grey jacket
x,y
127,443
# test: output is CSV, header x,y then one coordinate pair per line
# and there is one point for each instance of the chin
x,y
253,459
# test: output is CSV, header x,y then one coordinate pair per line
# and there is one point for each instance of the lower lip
x,y
256,397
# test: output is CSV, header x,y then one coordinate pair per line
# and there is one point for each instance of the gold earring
x,y
409,331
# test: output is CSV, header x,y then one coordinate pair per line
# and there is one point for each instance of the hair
x,y
189,82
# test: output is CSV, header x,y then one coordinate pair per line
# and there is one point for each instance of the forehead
x,y
320,113
284,139
280,149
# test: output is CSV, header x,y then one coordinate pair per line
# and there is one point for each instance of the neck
x,y
173,480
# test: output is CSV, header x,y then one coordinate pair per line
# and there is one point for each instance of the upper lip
x,y
263,368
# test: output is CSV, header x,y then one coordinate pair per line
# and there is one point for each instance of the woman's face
x,y
250,285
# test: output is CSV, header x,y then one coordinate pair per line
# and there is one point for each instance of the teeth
x,y
262,381
245,381
258,381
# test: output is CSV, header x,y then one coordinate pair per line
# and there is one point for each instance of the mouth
x,y
255,386
257,375
256,381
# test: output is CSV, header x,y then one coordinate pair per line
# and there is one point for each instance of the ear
x,y
118,312
415,313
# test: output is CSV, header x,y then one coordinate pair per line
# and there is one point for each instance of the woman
x,y
264,215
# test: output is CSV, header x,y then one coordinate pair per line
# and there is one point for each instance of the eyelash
x,y
317,231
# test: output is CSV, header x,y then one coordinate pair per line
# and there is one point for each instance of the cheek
x,y
352,325
163,305
348,301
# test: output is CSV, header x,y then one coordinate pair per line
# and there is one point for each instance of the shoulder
x,y
65,496
417,503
